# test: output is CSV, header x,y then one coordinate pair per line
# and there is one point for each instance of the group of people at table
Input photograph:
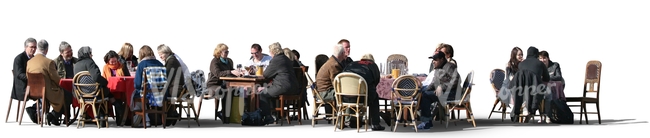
x,y
277,69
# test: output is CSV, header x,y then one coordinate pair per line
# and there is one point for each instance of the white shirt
x,y
264,62
429,78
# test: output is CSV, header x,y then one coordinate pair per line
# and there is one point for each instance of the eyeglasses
x,y
226,52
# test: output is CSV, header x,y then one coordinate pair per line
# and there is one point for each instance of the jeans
x,y
428,98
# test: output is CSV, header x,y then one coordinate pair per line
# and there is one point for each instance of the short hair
x,y
338,50
30,40
126,47
343,41
109,55
448,49
544,54
217,50
295,52
162,48
257,47
368,57
64,45
146,51
42,45
275,48
289,54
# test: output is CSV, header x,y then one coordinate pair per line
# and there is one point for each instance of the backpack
x,y
198,79
560,112
253,118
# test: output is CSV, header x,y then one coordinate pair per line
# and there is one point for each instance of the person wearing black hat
x,y
442,87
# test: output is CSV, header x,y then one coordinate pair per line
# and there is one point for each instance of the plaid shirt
x,y
155,81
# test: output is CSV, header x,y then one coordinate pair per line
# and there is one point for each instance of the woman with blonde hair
x,y
126,56
113,68
220,66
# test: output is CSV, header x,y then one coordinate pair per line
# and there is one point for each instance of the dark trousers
x,y
428,98
533,102
373,104
266,103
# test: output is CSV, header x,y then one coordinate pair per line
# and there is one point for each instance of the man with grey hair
x,y
325,75
284,81
57,97
65,61
20,77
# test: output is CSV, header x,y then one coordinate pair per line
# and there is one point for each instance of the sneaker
x,y
425,126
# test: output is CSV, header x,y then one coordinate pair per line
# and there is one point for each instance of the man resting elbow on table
x,y
86,63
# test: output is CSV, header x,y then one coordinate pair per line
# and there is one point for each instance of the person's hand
x,y
388,76
438,91
236,72
259,89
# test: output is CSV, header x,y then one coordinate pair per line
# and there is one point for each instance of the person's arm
x,y
20,69
557,73
125,70
214,69
375,72
93,69
447,79
545,75
137,79
53,76
272,69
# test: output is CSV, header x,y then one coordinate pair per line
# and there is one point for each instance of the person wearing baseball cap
x,y
440,85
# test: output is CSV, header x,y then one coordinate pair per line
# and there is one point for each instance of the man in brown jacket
x,y
328,71
57,97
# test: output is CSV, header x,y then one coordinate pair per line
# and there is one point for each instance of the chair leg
x,y
315,113
9,109
399,114
598,111
200,104
18,110
196,116
216,109
586,115
503,111
494,106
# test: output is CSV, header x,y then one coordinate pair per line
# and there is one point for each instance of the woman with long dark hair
x,y
516,56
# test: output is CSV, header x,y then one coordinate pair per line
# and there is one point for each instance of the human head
x,y
30,46
516,54
346,46
368,57
111,58
287,52
440,60
164,51
145,51
66,50
221,51
85,52
256,51
339,52
543,56
275,49
448,50
126,51
42,47
295,52
532,52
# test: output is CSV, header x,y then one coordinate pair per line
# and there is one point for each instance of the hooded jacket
x,y
533,65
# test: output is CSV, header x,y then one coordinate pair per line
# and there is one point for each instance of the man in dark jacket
x,y
368,69
443,87
86,63
284,81
531,69
20,76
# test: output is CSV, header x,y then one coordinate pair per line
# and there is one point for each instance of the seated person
x,y
257,59
65,61
284,81
442,87
449,52
287,52
58,98
328,71
516,56
530,65
368,69
148,59
175,70
555,74
220,66
86,63
127,59
20,76
295,52
113,68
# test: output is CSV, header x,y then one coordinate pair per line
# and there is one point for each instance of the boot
x,y
119,112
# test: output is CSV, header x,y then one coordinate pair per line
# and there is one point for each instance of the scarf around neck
x,y
108,69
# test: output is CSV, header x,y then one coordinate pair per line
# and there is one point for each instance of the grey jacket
x,y
555,71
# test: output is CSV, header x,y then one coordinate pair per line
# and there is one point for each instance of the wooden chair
x,y
153,86
88,93
497,76
292,103
183,102
350,85
208,97
36,91
318,102
591,85
463,103
406,92
10,101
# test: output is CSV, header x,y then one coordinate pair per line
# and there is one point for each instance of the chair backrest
x,y
406,87
84,85
592,77
36,84
467,86
312,86
155,82
397,61
497,76
350,84
302,80
320,60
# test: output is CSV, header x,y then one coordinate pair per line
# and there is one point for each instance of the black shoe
x,y
52,118
31,112
354,125
377,128
269,119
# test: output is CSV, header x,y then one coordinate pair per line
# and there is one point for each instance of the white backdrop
x,y
481,32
